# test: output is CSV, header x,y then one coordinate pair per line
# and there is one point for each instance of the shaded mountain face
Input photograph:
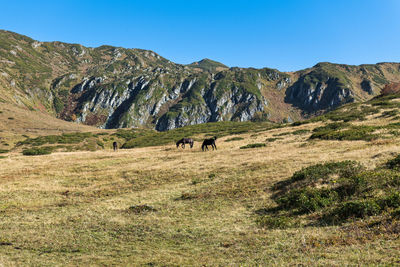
x,y
113,87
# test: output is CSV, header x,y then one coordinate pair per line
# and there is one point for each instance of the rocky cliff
x,y
113,87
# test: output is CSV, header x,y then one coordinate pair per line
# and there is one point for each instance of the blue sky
x,y
284,34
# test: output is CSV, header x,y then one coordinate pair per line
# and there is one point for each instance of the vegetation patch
x,y
66,138
394,164
302,131
236,138
333,193
220,129
334,131
275,222
255,145
35,151
141,209
2,151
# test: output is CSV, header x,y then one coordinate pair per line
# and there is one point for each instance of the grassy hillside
x,y
318,192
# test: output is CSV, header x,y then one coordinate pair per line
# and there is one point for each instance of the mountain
x,y
208,65
114,87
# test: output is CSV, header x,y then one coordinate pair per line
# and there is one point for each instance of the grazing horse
x,y
209,142
115,146
184,141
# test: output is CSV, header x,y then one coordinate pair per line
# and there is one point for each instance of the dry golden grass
x,y
73,208
16,122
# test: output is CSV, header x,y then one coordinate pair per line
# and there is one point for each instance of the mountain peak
x,y
208,65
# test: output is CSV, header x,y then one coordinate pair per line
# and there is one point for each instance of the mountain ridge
x,y
114,87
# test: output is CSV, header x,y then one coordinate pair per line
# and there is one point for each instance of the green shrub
x,y
298,123
253,145
396,213
356,209
389,113
335,192
307,200
274,222
325,171
282,134
37,151
99,143
353,133
302,131
141,209
234,139
394,164
4,151
392,200
271,139
332,126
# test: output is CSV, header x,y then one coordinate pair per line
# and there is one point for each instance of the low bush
x,y
274,222
306,200
335,192
37,151
141,209
234,139
324,173
394,164
389,113
355,209
353,133
302,131
298,123
253,145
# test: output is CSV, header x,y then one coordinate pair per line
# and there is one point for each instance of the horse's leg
x,y
215,146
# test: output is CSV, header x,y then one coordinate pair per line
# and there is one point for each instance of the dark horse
x,y
115,146
209,142
184,141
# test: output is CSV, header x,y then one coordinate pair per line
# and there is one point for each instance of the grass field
x,y
163,206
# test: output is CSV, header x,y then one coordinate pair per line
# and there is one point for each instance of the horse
x,y
209,142
115,146
184,141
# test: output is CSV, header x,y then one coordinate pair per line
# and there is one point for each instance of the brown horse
x,y
209,142
184,141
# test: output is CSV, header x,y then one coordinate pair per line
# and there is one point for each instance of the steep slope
x,y
329,85
113,87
